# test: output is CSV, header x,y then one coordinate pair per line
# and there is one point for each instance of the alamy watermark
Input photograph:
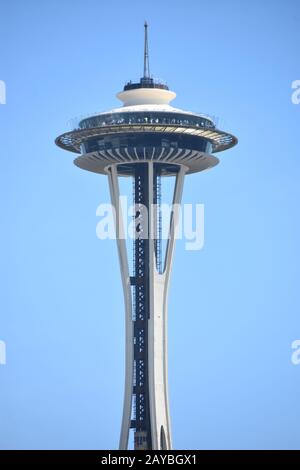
x,y
295,357
2,92
296,94
2,353
188,222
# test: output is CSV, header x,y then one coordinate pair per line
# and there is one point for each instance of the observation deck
x,y
146,128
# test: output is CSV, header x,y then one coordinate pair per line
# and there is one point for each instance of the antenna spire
x,y
146,53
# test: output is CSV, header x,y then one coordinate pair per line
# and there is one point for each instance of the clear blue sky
x,y
234,306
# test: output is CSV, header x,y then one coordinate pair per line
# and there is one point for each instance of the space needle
x,y
146,140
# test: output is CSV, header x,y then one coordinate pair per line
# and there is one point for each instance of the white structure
x,y
146,140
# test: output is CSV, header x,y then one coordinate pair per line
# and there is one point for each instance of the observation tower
x,y
146,140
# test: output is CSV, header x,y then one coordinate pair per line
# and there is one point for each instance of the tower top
x,y
146,53
146,81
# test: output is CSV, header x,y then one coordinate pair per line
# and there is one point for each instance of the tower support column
x,y
146,403
125,276
158,329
